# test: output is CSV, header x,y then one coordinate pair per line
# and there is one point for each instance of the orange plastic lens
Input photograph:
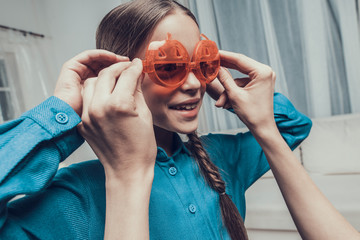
x,y
210,69
170,64
170,72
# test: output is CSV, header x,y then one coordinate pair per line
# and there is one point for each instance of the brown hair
x,y
124,30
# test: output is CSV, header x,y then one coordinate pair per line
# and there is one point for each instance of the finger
x,y
87,93
128,80
222,100
90,62
242,82
239,62
215,89
98,55
107,79
99,66
139,97
139,83
226,80
156,45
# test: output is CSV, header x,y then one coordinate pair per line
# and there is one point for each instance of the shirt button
x,y
172,171
192,208
62,118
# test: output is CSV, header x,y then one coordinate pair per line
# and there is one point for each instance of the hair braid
x,y
230,214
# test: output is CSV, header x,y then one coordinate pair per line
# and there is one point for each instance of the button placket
x,y
185,194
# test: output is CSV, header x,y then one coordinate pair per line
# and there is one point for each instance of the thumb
x,y
87,95
139,97
222,100
139,83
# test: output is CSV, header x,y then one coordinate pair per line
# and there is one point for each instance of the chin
x,y
187,128
178,125
185,132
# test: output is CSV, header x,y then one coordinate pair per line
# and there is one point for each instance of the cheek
x,y
154,94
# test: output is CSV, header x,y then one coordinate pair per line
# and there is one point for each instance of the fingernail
x,y
122,57
155,45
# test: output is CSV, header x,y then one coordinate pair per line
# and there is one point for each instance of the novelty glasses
x,y
169,65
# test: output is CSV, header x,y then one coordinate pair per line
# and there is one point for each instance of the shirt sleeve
x,y
31,148
241,158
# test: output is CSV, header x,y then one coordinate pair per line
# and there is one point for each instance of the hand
x,y
217,91
251,97
75,71
116,121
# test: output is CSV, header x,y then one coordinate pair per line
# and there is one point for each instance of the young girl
x,y
147,182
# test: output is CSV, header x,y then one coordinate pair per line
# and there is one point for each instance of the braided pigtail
x,y
230,214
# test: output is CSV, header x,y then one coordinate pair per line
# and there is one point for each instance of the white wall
x,y
70,25
24,14
73,25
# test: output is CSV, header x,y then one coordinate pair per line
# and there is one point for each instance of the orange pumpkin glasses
x,y
169,65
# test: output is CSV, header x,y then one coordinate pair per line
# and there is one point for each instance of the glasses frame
x,y
173,52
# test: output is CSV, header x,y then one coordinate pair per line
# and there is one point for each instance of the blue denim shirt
x,y
70,203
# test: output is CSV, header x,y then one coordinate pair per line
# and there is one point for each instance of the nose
x,y
191,84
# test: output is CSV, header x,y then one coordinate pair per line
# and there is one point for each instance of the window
x,y
9,99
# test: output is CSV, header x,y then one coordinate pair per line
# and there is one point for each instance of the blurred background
x,y
312,45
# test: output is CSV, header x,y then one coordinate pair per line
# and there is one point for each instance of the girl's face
x,y
175,110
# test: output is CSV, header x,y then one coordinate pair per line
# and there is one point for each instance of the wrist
x,y
130,176
264,128
133,191
127,204
266,134
74,102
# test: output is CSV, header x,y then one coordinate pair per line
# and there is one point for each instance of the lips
x,y
187,105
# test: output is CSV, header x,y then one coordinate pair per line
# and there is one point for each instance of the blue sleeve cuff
x,y
282,106
59,120
292,124
54,115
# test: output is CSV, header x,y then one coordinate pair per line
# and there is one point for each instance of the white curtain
x,y
313,46
28,75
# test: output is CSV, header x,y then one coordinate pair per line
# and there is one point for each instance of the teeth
x,y
185,107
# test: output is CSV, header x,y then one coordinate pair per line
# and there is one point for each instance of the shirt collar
x,y
178,145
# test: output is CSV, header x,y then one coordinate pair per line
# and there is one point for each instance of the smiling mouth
x,y
185,107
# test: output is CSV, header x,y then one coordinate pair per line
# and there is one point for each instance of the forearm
x,y
314,216
31,148
127,204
